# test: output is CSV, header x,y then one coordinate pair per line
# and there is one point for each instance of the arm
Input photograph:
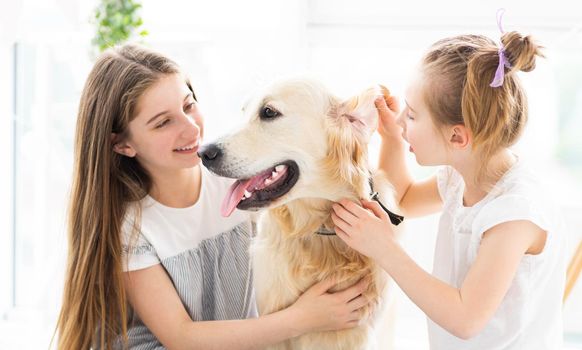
x,y
160,308
414,198
464,311
421,198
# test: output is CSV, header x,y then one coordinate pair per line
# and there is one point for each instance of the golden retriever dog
x,y
302,150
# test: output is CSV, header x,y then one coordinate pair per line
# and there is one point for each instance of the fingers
x,y
346,215
355,290
384,112
391,101
322,287
340,223
353,323
381,104
375,208
343,235
358,303
354,208
356,211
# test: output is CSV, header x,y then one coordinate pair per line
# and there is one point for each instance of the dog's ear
x,y
360,111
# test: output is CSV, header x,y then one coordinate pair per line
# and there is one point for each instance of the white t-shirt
x,y
205,255
530,315
171,231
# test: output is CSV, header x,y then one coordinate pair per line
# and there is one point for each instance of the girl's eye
x,y
409,116
160,125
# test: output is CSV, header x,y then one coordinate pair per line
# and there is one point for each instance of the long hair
x,y
458,72
94,309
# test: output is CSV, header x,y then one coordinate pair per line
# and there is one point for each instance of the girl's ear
x,y
459,137
120,146
360,111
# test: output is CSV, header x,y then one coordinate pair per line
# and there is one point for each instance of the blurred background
x,y
229,49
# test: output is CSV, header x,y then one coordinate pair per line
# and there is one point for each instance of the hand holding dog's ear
x,y
360,113
388,109
391,101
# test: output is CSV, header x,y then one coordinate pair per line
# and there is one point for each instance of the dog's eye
x,y
269,113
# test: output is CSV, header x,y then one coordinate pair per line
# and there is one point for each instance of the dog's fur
x,y
327,138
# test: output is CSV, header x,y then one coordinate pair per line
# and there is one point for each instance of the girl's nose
x,y
190,128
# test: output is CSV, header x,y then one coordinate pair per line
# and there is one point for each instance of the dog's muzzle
x,y
211,155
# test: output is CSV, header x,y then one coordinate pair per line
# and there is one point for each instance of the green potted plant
x,y
117,21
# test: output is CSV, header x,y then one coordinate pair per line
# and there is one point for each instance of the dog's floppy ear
x,y
360,111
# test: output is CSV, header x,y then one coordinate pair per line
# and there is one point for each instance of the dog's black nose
x,y
210,154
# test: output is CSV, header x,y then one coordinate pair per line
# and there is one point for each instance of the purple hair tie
x,y
503,61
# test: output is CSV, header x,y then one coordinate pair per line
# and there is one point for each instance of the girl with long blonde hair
x,y
151,262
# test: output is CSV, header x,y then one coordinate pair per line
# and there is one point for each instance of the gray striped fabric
x,y
213,280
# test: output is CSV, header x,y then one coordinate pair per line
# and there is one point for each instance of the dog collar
x,y
323,231
395,219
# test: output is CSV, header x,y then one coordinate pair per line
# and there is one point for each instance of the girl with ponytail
x,y
499,268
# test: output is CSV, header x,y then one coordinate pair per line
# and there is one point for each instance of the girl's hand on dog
x,y
388,110
365,228
319,310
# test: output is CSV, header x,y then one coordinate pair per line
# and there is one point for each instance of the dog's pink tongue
x,y
236,191
233,197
